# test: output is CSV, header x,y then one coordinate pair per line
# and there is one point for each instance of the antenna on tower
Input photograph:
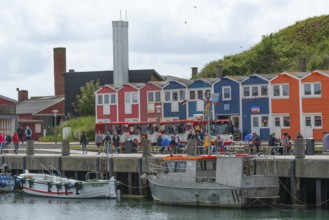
x,y
126,16
120,16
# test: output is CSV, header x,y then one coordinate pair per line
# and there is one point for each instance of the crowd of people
x,y
7,139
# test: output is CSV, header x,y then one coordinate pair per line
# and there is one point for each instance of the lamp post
x,y
158,111
55,117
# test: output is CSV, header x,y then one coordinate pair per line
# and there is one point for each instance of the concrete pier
x,y
302,180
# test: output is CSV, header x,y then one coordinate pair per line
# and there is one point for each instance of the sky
x,y
170,36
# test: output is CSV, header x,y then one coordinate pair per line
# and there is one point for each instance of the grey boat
x,y
218,181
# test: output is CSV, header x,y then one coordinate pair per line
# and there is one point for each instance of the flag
x,y
255,109
215,98
207,106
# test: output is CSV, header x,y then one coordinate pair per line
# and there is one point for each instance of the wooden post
x,y
140,170
130,183
65,148
318,192
292,181
30,148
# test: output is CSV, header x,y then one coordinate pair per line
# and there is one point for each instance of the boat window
x,y
176,167
206,165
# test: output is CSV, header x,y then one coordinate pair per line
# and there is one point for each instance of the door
x,y
308,128
276,128
255,124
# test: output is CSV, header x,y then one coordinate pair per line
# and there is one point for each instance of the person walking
x,y
15,140
286,142
28,133
116,142
83,142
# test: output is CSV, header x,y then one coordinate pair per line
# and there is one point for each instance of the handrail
x,y
43,167
58,172
87,177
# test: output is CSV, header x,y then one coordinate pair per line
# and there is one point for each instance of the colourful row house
x,y
264,103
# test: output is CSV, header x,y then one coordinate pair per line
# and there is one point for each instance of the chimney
x,y
23,95
302,65
194,72
219,71
59,70
120,53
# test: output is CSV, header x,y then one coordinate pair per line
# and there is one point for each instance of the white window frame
x,y
260,120
180,93
312,116
101,99
259,91
282,125
229,92
281,95
312,85
131,97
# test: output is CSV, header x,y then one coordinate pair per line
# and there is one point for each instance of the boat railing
x,y
53,168
98,175
44,168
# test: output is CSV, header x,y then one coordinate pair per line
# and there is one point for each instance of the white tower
x,y
120,53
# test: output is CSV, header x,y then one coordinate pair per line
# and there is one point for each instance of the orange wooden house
x,y
286,103
315,109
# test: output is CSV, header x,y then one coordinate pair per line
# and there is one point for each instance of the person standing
x,y
2,140
108,143
20,133
15,140
28,133
83,142
273,143
286,142
255,141
116,142
99,141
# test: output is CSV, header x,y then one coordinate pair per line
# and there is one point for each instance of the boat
x,y
52,185
7,181
212,181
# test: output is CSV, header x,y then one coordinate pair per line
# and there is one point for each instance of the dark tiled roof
x,y
36,104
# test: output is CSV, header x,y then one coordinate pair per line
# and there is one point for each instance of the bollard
x,y
146,147
30,147
299,148
65,148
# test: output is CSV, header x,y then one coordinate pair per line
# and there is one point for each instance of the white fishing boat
x,y
7,182
50,185
207,180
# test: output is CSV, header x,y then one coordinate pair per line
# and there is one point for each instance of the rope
x,y
134,187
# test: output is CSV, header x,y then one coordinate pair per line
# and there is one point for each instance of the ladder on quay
x,y
104,167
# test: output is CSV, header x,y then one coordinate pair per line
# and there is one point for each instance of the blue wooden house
x,y
228,106
255,100
174,96
198,92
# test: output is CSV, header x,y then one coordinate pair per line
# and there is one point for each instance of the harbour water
x,y
23,207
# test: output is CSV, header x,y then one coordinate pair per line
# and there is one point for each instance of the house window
x,y
286,121
246,91
167,96
281,90
131,97
182,95
153,96
100,99
317,121
254,91
277,122
264,121
200,94
113,99
312,89
263,90
175,96
192,95
226,91
106,99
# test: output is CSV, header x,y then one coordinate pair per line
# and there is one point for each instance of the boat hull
x,y
57,187
7,183
210,194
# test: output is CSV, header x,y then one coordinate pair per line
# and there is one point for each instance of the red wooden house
x,y
150,98
129,102
106,104
315,96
